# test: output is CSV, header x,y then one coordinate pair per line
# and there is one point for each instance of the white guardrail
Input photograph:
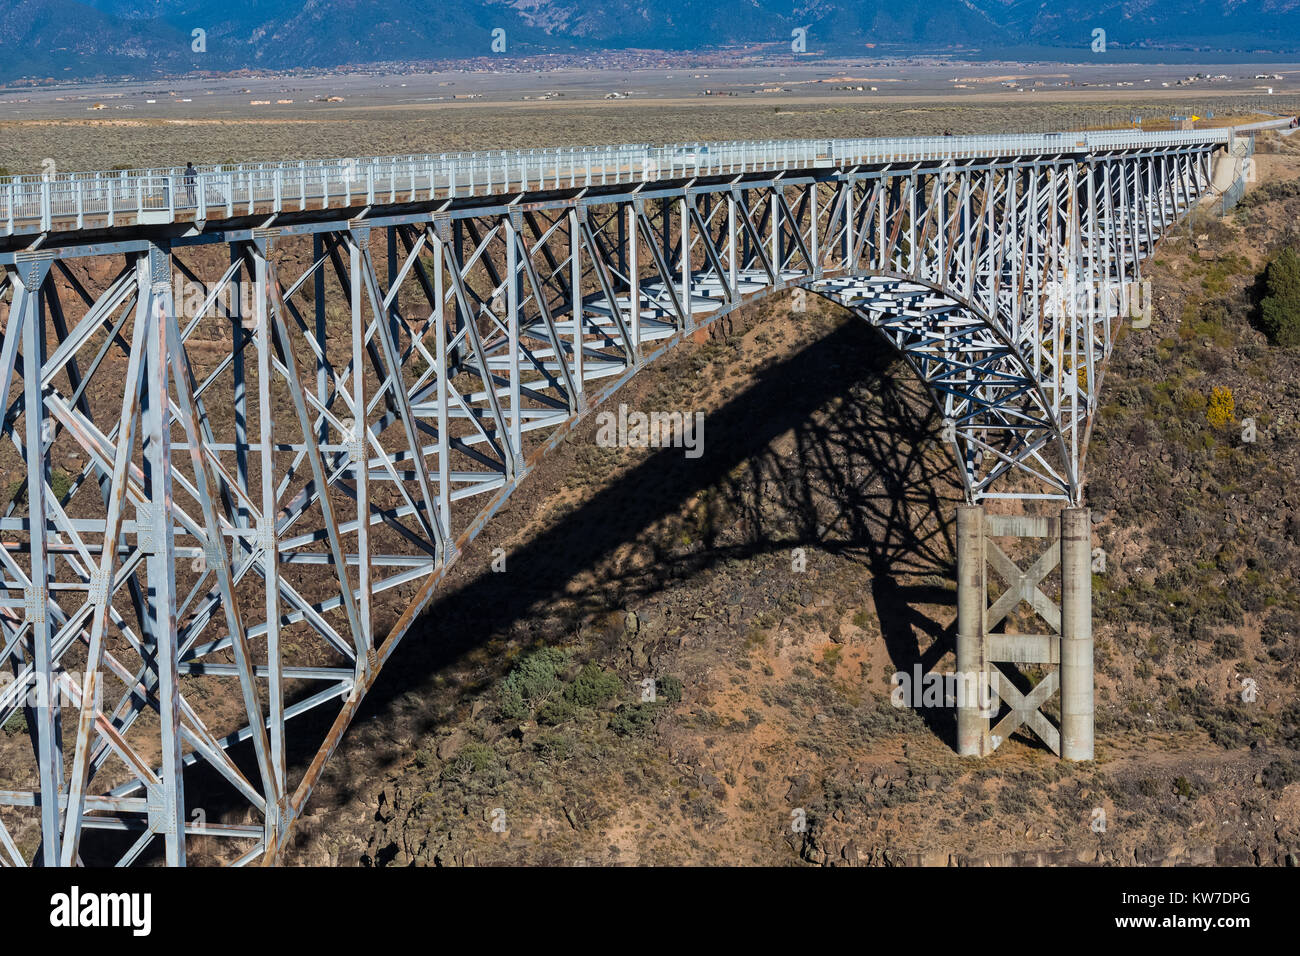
x,y
66,201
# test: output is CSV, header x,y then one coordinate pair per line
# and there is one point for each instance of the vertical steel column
x,y
1015,255
850,221
774,215
167,804
940,203
1033,267
1076,634
1096,309
814,244
913,261
1052,282
1074,262
987,254
444,396
972,603
885,188
746,255
1147,198
688,298
515,440
359,440
239,322
733,267
267,538
575,297
27,310
968,237
318,295
633,280
460,316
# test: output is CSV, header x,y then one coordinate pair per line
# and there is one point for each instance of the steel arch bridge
x,y
254,413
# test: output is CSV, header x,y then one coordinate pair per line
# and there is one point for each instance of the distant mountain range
x,y
69,39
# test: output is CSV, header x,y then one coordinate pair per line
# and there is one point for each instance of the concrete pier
x,y
972,596
1076,634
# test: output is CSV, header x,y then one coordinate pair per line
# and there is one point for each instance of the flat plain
x,y
209,120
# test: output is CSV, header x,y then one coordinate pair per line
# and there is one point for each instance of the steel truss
x,y
246,499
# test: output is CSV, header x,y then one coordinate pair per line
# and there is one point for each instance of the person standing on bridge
x,y
191,178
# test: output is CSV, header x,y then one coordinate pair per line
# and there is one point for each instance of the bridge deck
x,y
65,202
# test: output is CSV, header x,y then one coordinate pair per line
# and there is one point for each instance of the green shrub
x,y
15,725
474,760
1191,402
668,689
60,482
554,747
634,720
534,680
1279,311
556,711
593,686
1271,192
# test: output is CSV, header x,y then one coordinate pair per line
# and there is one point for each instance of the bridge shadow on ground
x,y
834,450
